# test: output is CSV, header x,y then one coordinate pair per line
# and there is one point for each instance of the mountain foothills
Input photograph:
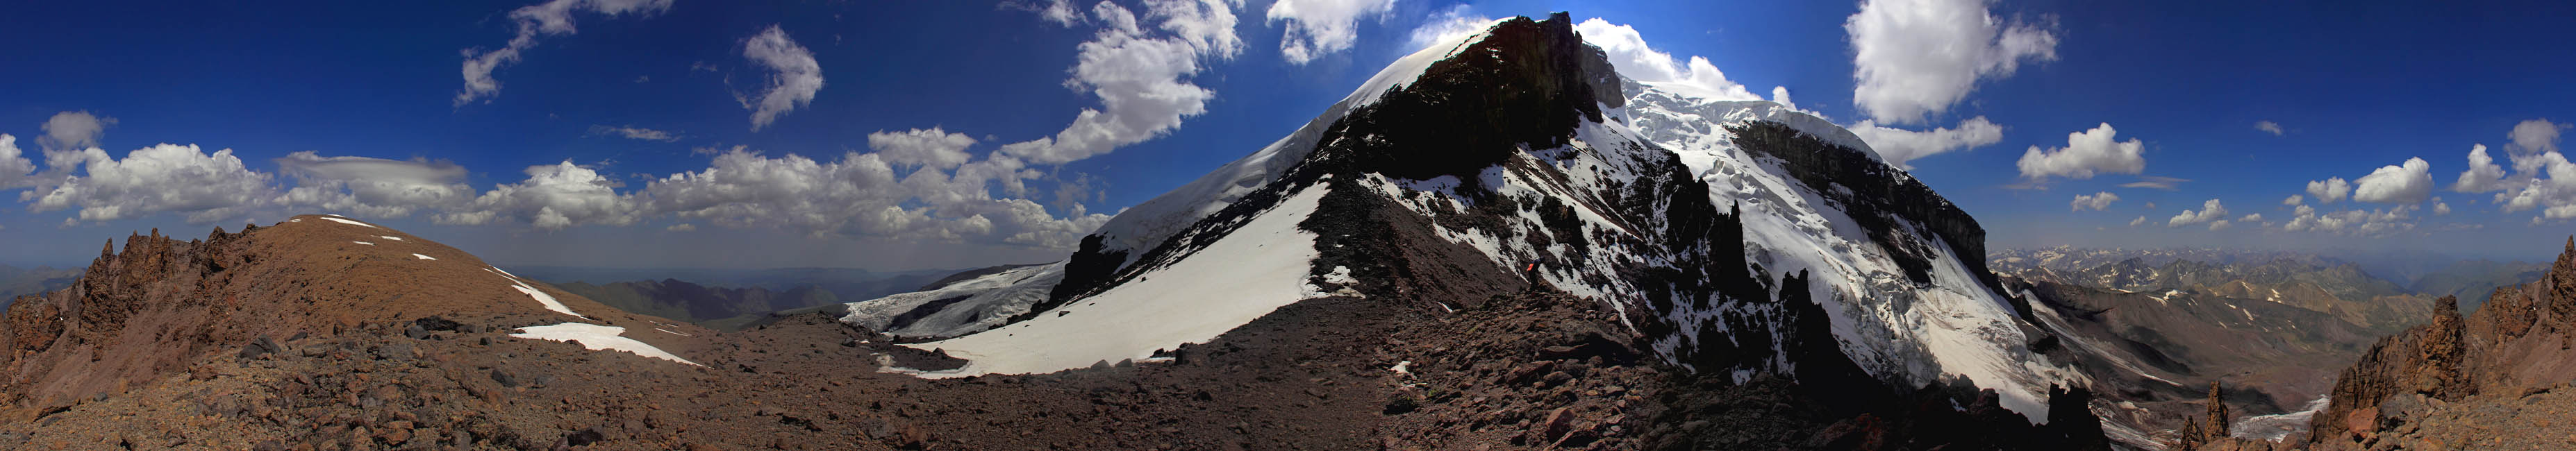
x,y
1498,242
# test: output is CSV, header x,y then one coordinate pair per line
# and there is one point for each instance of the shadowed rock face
x,y
2515,346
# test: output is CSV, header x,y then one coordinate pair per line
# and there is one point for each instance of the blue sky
x,y
899,135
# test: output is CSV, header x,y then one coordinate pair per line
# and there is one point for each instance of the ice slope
x,y
1246,274
987,302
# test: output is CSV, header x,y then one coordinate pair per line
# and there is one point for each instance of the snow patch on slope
x,y
597,337
349,222
1246,274
534,293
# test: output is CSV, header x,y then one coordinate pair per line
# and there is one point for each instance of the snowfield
x,y
597,337
363,242
540,295
1258,268
424,257
395,238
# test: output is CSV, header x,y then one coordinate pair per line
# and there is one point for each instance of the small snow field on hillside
x,y
597,337
349,222
1247,274
534,293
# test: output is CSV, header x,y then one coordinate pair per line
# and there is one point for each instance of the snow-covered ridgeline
x,y
1895,328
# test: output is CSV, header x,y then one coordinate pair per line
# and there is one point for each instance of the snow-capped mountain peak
x,y
1733,237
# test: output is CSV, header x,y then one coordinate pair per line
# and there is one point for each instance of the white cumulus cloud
x,y
162,178
2087,152
1141,77
863,195
1899,146
2535,136
553,197
2294,200
67,134
922,148
2209,211
1629,54
2095,201
2353,222
1913,58
549,18
16,170
793,79
2483,174
2406,183
2329,190
1321,27
2541,177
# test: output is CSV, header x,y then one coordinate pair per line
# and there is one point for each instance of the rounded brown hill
x,y
158,303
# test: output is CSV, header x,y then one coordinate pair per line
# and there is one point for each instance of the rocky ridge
x,y
2443,384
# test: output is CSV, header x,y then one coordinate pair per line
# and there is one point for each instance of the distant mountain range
x,y
713,307
846,282
16,281
2473,280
